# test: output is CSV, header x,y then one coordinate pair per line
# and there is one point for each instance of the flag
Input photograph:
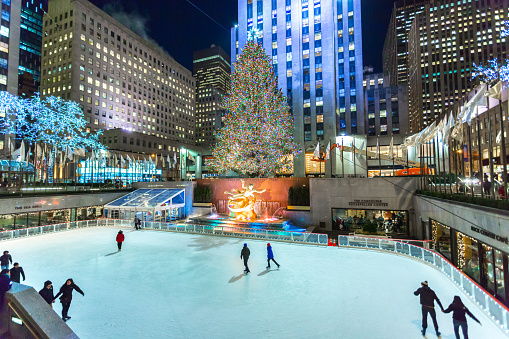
x,y
327,152
168,160
471,108
122,161
499,137
391,148
69,153
129,160
174,158
377,148
448,129
19,154
316,153
496,90
359,154
190,157
162,161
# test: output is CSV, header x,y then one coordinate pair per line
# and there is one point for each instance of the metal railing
x,y
486,302
298,237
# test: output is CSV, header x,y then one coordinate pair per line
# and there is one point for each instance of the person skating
x,y
244,254
120,239
47,293
4,260
270,256
66,298
17,272
458,317
136,223
5,284
428,297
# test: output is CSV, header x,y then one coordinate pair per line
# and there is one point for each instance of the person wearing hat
x,y
428,297
270,256
47,293
120,239
244,254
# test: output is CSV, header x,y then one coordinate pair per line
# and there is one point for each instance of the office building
x,y
386,107
316,48
121,80
20,43
211,69
395,50
445,41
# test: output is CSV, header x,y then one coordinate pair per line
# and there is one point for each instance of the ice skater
x,y
47,293
66,298
270,256
244,254
120,239
4,260
458,317
17,272
428,297
136,223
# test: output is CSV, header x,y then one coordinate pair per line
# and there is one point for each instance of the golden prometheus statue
x,y
241,202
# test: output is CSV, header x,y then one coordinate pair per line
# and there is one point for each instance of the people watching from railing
x,y
427,298
5,284
458,316
47,293
16,273
4,260
66,298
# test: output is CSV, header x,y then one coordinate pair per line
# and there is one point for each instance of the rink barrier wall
x,y
485,301
240,232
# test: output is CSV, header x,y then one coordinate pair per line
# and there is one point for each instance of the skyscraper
x,y
316,49
395,51
121,80
20,44
445,40
211,68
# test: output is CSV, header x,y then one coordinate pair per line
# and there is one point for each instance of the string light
x,y
494,71
257,137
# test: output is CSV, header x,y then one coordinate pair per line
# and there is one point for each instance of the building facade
x,y
211,68
316,48
442,53
121,80
20,43
395,50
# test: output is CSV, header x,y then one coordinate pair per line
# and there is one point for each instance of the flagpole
x,y
490,151
342,160
330,156
502,147
392,155
379,159
481,172
354,157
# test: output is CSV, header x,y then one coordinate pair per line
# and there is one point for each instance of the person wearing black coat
x,y
244,254
5,284
16,272
66,298
458,317
5,259
47,293
428,297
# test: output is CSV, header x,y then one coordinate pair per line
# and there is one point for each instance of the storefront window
x,y
488,278
33,219
442,239
468,256
6,222
499,275
385,221
21,221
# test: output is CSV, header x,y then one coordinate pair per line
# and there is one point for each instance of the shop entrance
x,y
387,221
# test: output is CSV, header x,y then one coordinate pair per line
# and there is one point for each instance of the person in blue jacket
x,y
270,256
5,284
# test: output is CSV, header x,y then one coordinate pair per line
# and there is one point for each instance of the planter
x,y
298,208
202,204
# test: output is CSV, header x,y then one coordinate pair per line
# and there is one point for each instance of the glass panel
x,y
499,275
383,221
488,278
21,220
468,256
6,222
442,239
33,219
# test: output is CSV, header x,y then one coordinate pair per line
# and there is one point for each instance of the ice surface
x,y
172,285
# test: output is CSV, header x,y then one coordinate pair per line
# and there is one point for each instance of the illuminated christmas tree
x,y
257,137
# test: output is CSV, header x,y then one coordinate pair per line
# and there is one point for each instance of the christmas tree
x,y
257,137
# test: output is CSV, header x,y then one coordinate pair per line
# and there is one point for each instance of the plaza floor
x,y
172,285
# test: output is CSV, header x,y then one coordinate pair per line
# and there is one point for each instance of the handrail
x,y
497,311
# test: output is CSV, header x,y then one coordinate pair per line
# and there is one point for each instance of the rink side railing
x,y
486,302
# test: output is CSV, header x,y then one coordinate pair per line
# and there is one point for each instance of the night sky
x,y
181,29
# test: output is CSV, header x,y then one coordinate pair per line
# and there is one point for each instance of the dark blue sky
x,y
181,29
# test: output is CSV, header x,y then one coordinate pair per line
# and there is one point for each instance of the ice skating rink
x,y
170,285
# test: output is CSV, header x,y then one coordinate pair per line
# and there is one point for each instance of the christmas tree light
x,y
495,71
257,137
52,120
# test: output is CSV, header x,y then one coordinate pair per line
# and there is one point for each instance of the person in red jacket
x,y
120,239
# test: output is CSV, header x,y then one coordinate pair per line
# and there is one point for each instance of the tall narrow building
x,y
395,50
211,68
121,80
20,45
445,41
316,50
